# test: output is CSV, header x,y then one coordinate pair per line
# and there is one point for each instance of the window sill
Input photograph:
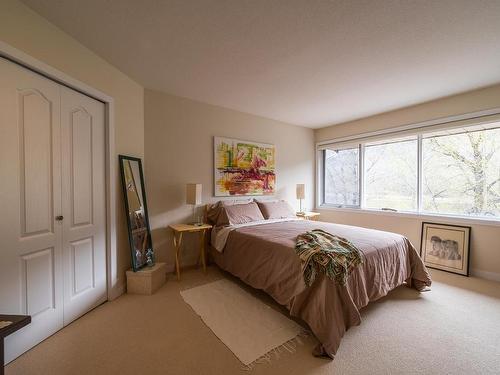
x,y
414,215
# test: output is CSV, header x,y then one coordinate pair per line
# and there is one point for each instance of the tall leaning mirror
x,y
136,210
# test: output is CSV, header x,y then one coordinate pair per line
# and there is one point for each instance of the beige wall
x,y
23,29
471,101
485,242
179,149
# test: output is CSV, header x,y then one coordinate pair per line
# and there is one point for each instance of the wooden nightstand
x,y
308,215
179,229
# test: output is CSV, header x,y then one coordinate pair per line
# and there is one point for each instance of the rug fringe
x,y
289,346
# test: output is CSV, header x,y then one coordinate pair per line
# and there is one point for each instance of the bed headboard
x,y
205,212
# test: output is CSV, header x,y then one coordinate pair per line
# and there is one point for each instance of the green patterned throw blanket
x,y
323,252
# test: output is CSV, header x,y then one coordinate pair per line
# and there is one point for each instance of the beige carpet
x,y
247,326
454,329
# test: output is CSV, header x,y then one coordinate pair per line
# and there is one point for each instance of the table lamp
x,y
301,194
193,196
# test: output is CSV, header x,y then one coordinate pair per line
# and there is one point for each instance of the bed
x,y
261,253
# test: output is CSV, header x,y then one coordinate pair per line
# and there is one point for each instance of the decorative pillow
x,y
276,209
240,214
216,211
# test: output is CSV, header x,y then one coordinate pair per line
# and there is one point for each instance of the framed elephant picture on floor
x,y
446,247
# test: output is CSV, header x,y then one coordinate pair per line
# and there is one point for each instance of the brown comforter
x,y
263,256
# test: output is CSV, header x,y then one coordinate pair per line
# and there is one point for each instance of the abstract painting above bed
x,y
243,168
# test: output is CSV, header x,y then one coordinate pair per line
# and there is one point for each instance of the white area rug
x,y
247,326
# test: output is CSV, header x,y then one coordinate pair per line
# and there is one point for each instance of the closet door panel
x,y
35,144
30,197
81,167
83,197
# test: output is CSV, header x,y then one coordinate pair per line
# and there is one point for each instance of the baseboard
x,y
493,276
117,291
170,268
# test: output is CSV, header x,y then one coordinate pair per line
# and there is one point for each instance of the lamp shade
x,y
301,191
193,193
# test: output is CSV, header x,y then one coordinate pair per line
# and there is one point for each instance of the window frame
x,y
417,177
360,186
419,130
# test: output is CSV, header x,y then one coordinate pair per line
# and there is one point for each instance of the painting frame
x,y
236,171
444,250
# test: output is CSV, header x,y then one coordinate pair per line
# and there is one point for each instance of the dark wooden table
x,y
18,322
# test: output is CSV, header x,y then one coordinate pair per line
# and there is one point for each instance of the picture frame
x,y
244,168
446,247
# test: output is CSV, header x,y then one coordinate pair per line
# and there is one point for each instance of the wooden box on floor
x,y
147,280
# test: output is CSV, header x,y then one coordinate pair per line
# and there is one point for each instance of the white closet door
x,y
83,201
30,199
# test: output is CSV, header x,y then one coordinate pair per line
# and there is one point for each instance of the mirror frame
x,y
121,159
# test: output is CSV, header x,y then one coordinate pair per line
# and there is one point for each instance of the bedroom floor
x,y
453,329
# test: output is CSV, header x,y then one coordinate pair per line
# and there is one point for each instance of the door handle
x,y
59,218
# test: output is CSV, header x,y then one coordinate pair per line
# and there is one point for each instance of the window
x,y
342,177
391,175
461,173
455,171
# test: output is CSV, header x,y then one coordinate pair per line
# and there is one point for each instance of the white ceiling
x,y
309,62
